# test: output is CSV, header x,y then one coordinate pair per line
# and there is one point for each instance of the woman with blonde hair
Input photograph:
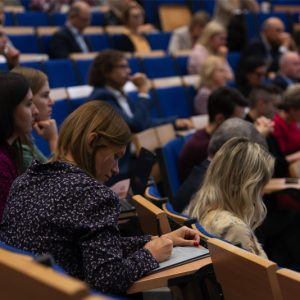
x,y
212,42
44,126
229,204
212,76
63,208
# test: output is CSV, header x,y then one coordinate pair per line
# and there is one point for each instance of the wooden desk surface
x,y
160,279
277,184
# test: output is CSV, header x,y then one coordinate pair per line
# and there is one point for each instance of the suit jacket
x,y
63,43
141,110
190,186
282,82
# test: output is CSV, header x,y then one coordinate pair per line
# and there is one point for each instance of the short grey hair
x,y
234,127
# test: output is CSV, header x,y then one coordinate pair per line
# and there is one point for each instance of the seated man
x,y
69,38
223,103
233,127
289,70
109,73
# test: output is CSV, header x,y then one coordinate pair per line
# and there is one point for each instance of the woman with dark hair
x,y
16,118
63,208
250,73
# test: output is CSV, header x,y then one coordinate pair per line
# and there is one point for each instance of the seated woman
x,y
16,117
212,42
212,75
63,208
250,73
133,40
44,126
229,204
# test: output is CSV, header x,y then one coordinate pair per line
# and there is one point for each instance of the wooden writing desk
x,y
160,279
277,184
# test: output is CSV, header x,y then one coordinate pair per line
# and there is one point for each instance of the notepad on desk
x,y
181,255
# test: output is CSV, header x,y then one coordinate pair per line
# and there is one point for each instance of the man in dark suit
x,y
272,42
69,38
289,70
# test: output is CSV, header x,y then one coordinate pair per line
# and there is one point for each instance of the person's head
x,y
79,15
225,103
110,67
198,22
291,102
94,137
134,15
252,72
264,100
213,36
213,72
289,64
272,29
39,85
16,109
234,127
234,182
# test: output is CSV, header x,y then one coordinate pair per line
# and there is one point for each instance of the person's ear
x,y
219,119
91,138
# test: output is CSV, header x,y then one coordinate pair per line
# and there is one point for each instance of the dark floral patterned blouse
x,y
56,208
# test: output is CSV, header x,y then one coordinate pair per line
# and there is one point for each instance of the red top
x,y
8,173
287,135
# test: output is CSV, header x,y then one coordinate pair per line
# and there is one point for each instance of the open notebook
x,y
181,255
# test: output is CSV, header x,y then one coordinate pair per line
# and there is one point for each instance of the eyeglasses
x,y
122,66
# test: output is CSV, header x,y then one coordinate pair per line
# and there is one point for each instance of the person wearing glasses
x,y
69,38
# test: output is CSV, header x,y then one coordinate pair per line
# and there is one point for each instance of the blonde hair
x,y
35,78
234,182
208,69
210,30
92,117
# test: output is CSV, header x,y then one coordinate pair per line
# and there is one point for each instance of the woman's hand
x,y
184,236
47,129
160,248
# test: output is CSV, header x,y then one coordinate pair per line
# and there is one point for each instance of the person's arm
x,y
47,129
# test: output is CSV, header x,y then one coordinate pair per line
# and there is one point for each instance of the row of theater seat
x,y
37,40
68,72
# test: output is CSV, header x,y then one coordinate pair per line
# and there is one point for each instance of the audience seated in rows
x,y
69,38
185,37
64,209
222,104
212,42
17,115
272,42
44,126
233,127
212,76
250,74
289,70
229,203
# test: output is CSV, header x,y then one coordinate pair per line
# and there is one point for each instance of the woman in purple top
x,y
63,208
16,117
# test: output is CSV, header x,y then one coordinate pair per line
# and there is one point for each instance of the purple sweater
x,y
8,173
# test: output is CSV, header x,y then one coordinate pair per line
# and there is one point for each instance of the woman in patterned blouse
x,y
62,207
229,204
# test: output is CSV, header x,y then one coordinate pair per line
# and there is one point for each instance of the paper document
x,y
182,255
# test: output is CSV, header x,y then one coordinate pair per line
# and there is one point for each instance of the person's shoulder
x,y
181,30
